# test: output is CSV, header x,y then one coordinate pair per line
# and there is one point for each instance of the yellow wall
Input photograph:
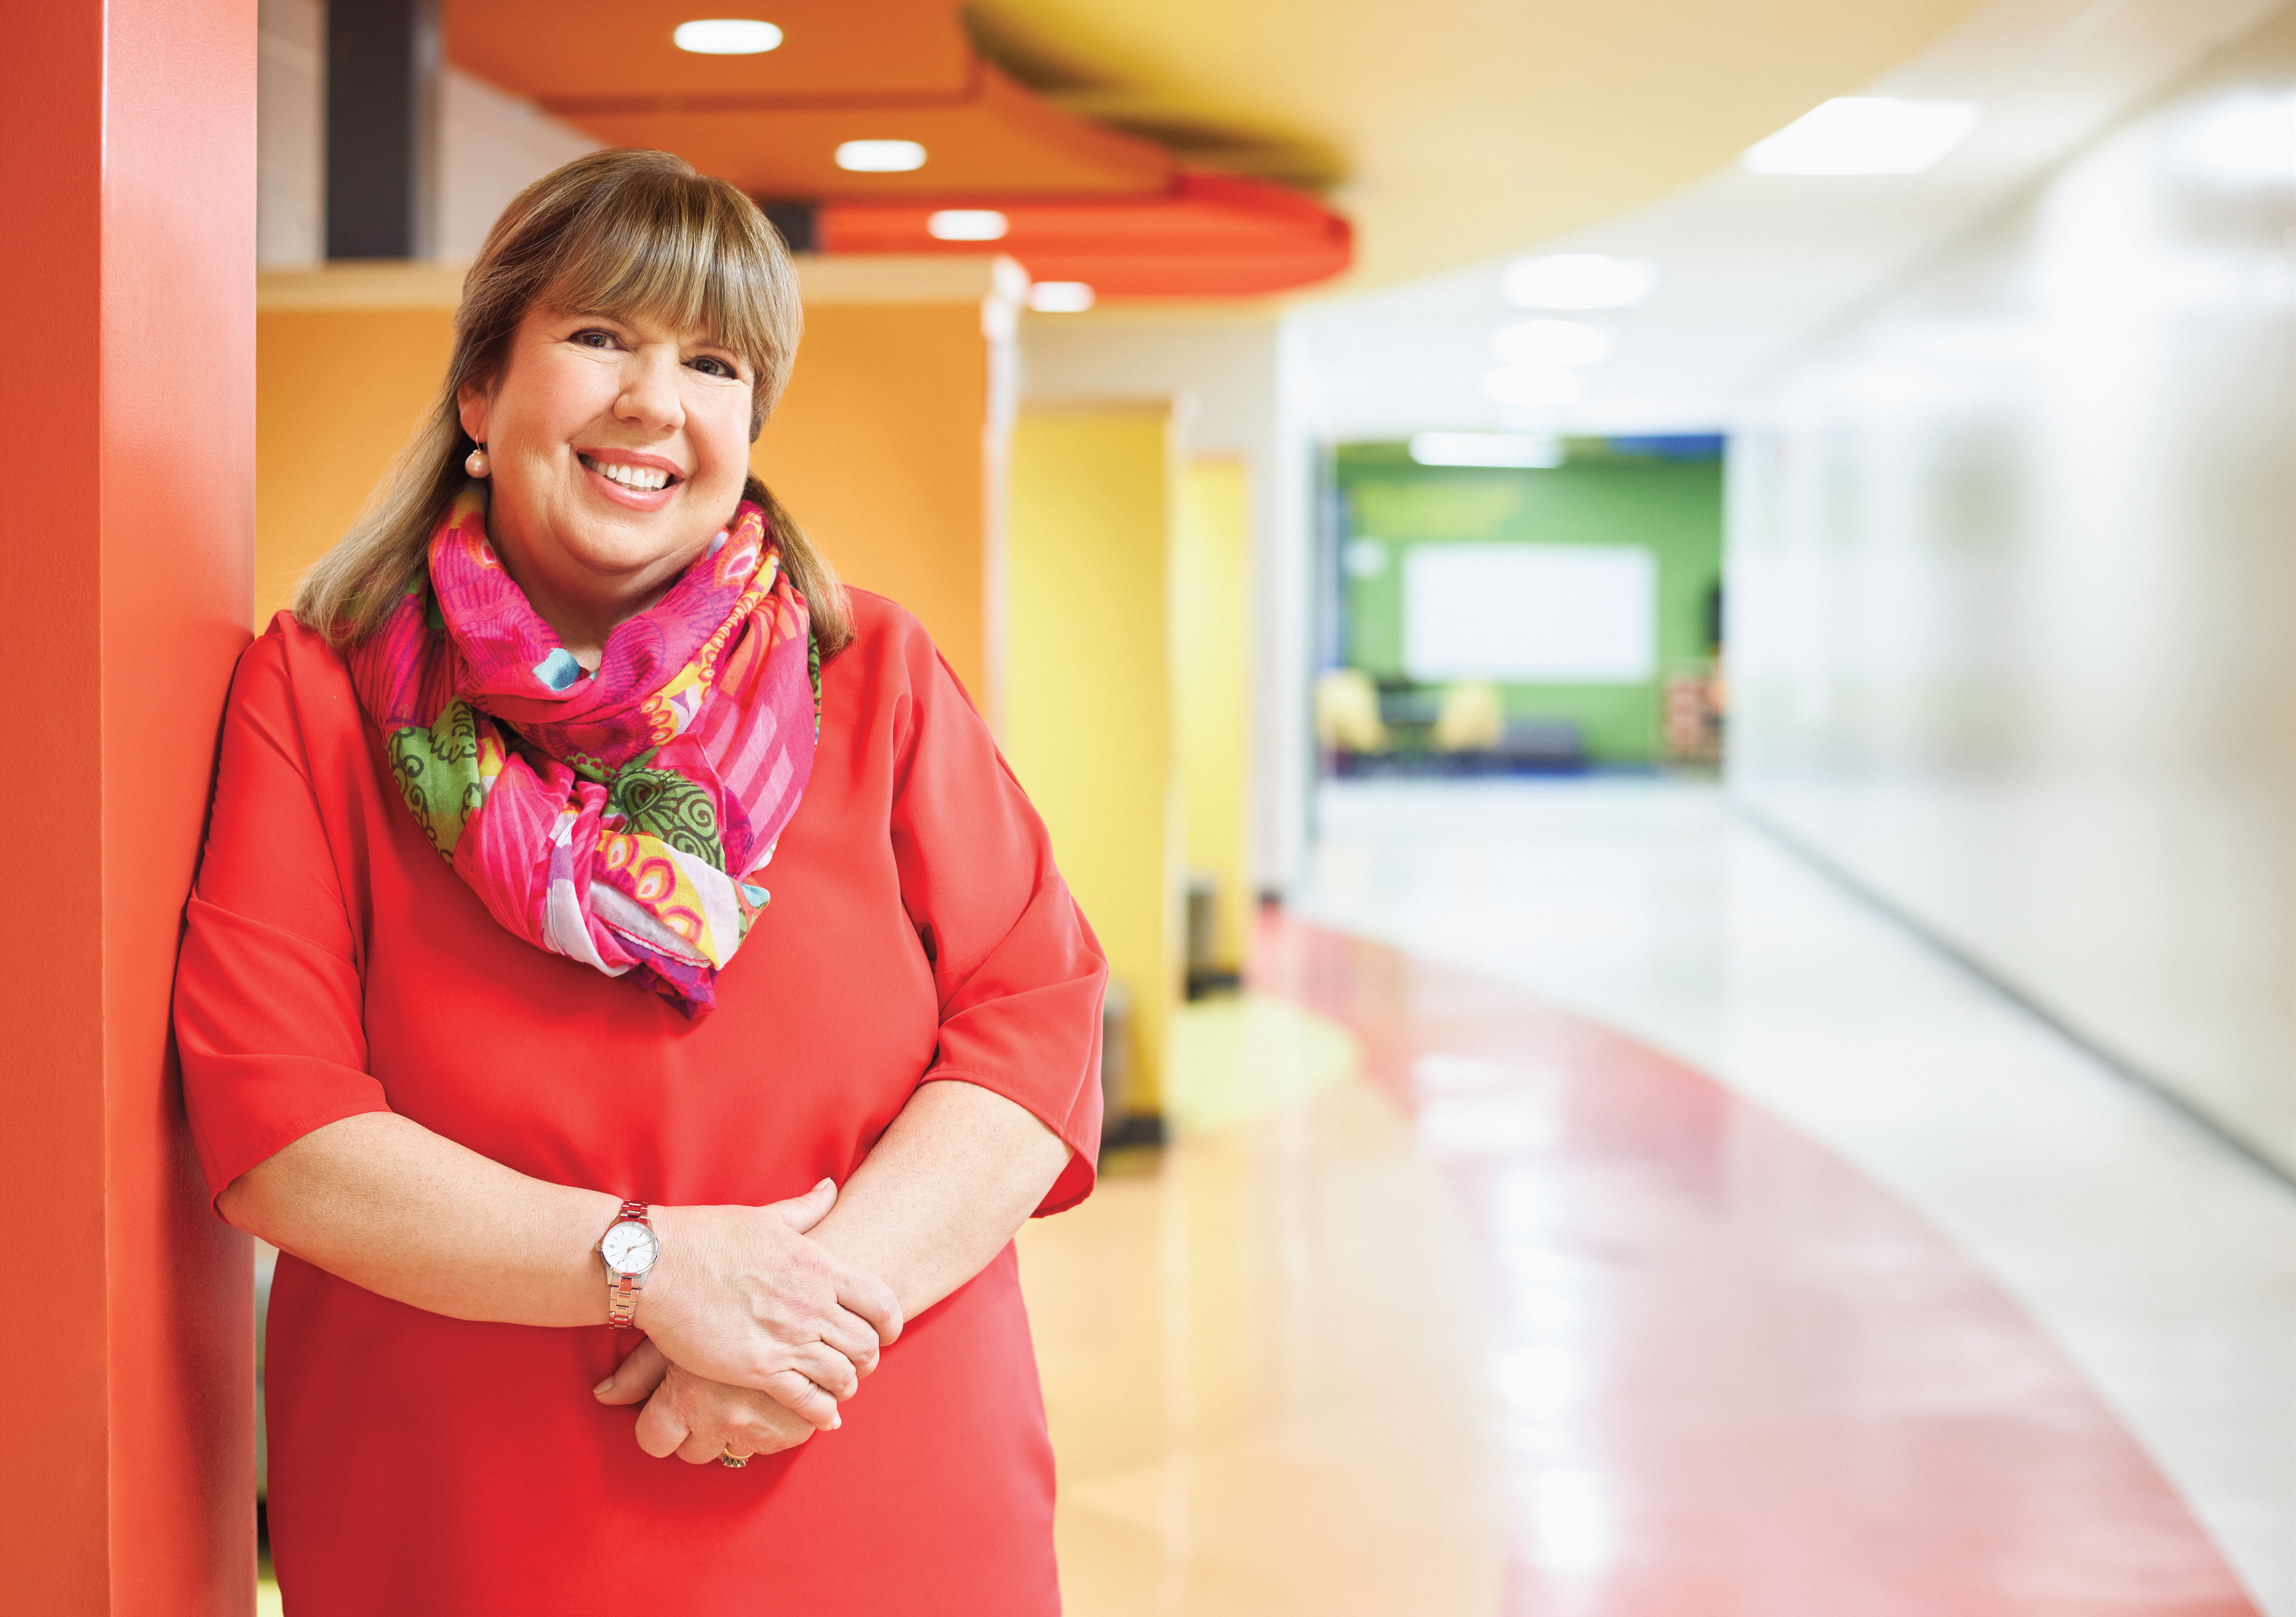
x,y
887,447
1088,715
1212,610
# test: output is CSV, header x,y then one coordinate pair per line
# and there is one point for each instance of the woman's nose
x,y
650,391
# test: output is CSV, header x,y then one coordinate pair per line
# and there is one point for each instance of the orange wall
x,y
337,391
127,1383
885,448
877,451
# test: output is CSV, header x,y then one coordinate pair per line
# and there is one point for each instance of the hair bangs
x,y
669,249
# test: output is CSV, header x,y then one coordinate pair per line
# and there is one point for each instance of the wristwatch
x,y
629,1247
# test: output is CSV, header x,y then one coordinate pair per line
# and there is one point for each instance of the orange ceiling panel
x,y
1204,235
997,137
552,48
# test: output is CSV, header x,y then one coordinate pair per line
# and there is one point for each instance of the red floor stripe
x,y
1737,1376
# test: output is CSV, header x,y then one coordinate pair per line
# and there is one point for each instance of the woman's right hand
x,y
740,1295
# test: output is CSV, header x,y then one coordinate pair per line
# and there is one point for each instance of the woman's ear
x,y
471,403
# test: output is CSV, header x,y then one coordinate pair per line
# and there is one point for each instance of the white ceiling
x,y
1755,267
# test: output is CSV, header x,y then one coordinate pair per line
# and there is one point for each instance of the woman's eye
x,y
592,339
708,366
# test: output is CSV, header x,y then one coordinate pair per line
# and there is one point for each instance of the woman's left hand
x,y
698,1420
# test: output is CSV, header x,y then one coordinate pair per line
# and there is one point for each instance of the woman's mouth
x,y
623,474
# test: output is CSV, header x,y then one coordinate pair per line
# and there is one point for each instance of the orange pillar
x,y
127,184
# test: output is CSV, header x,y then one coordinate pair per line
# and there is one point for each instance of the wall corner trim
x,y
369,283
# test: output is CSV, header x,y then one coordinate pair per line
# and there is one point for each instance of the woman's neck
x,y
583,624
585,609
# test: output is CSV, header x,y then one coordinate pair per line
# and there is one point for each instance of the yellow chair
x,y
1471,718
1347,713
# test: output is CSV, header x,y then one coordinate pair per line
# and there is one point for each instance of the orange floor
x,y
1444,1301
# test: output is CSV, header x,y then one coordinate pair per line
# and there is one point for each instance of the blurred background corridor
x,y
1657,636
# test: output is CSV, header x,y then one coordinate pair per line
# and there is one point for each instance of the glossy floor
x,y
1450,1301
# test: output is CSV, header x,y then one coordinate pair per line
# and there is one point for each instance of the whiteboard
x,y
1531,614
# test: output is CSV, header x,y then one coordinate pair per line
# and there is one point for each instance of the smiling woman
x,y
464,1033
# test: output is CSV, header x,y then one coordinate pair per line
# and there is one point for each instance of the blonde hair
x,y
622,232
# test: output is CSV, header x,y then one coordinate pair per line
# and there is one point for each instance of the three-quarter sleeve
x,y
268,1005
1017,969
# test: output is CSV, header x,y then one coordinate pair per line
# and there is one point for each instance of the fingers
x,y
761,1426
853,1339
873,1299
700,1420
636,1377
827,1368
802,1212
663,1428
700,1448
801,1397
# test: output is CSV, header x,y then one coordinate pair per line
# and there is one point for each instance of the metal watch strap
x,y
622,1290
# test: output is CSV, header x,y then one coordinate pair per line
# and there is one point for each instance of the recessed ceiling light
x,y
1579,281
1060,297
1866,135
1553,342
881,157
1527,387
1486,449
968,224
726,36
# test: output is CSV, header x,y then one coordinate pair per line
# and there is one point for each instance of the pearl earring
x,y
475,462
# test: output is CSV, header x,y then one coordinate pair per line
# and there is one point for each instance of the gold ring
x,y
736,1461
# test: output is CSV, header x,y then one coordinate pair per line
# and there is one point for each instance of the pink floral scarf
x,y
616,818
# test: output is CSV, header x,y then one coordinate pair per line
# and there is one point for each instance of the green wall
x,y
1597,497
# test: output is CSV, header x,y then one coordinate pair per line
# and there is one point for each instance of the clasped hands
x,y
754,1333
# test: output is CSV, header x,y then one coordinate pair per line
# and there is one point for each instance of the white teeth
x,y
645,479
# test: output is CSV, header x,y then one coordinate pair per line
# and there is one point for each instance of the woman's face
x,y
618,447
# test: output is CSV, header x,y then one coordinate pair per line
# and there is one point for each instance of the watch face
x,y
630,1248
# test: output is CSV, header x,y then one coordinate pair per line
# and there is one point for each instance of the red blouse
x,y
335,964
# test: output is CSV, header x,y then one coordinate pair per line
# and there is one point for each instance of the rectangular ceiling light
x,y
2245,138
1866,135
1486,449
1060,296
726,36
880,157
967,224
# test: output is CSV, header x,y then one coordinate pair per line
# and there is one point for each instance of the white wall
x,y
491,145
2012,564
1233,379
291,123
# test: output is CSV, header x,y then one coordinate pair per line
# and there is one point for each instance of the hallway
x,y
1779,1321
